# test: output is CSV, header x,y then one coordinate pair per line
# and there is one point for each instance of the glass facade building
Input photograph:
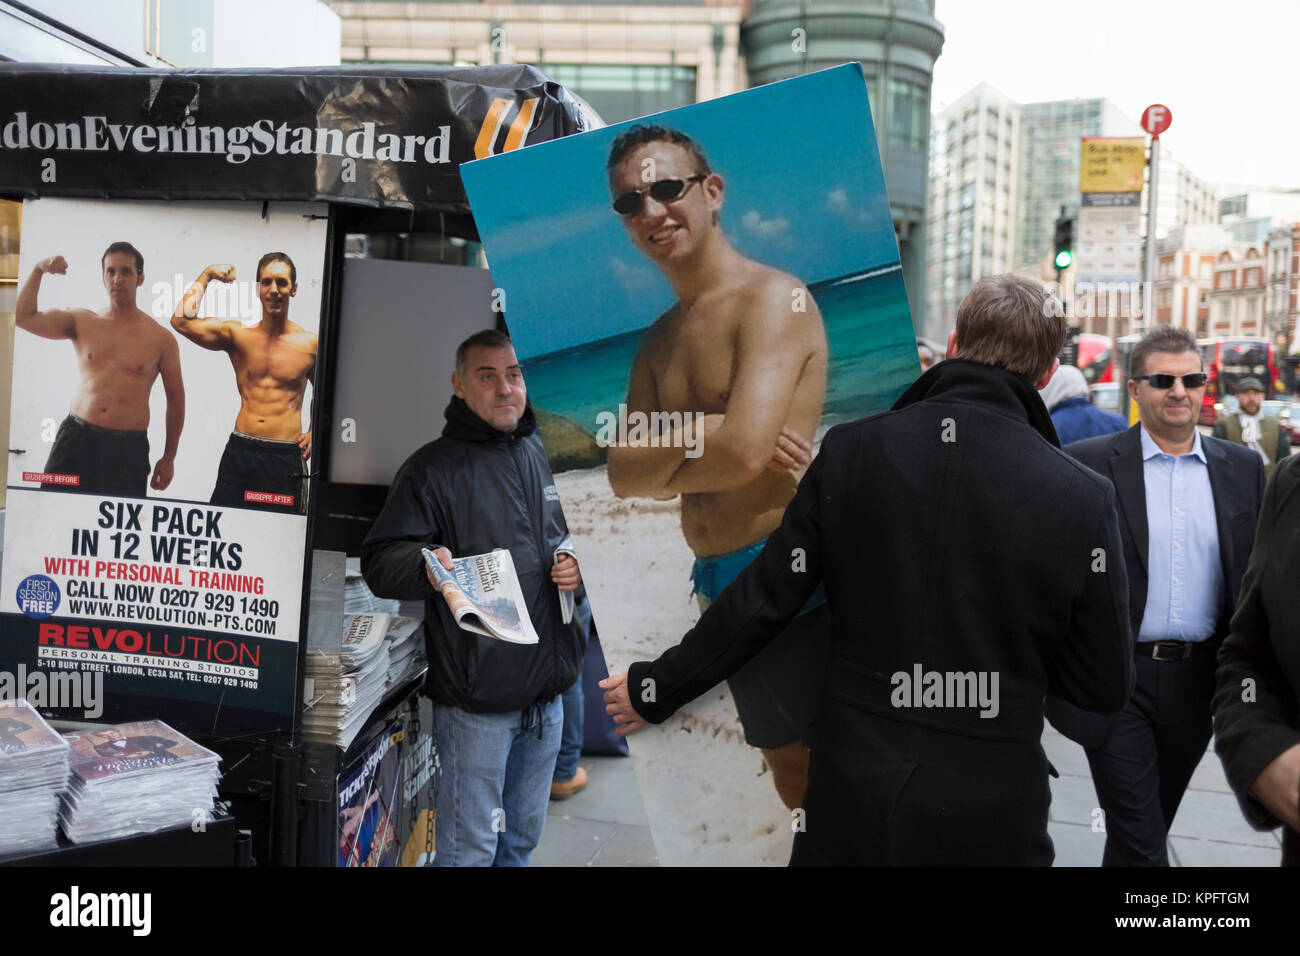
x,y
1049,168
621,92
897,43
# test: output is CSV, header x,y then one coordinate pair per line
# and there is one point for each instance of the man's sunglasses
x,y
665,190
1162,381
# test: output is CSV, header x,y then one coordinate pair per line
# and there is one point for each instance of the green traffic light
x,y
1064,258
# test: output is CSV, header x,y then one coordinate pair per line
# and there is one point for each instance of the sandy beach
x,y
708,794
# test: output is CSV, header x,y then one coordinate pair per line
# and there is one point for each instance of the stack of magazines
x,y
33,774
346,679
136,778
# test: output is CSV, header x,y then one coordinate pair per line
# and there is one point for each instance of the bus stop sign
x,y
1156,119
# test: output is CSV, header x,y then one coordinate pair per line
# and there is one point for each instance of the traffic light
x,y
1064,241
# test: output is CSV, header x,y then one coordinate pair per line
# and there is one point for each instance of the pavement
x,y
602,825
1209,829
606,824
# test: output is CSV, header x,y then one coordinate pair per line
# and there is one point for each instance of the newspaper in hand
x,y
567,598
484,596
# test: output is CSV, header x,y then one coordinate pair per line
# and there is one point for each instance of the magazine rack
x,y
401,783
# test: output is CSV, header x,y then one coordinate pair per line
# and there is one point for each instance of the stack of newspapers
x,y
136,778
405,640
359,599
33,775
346,679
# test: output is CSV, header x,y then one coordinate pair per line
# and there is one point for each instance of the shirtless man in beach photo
x,y
745,344
264,464
103,443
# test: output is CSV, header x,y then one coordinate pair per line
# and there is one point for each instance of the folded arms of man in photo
x,y
750,612
1256,718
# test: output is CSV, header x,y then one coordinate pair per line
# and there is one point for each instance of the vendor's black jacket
x,y
473,490
954,536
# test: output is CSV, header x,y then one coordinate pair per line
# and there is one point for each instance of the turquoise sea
x,y
868,326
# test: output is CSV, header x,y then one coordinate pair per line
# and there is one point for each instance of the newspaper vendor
x,y
485,484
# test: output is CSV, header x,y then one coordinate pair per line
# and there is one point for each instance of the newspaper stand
x,y
436,118
409,789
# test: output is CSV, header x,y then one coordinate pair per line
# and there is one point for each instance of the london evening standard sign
x,y
346,135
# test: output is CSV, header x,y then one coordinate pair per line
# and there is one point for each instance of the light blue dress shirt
x,y
1184,573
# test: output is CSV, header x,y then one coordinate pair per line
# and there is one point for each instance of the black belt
x,y
1166,651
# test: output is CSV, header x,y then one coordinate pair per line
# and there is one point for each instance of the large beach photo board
x,y
623,320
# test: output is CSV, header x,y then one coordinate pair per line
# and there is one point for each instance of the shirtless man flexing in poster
x,y
120,350
744,344
263,466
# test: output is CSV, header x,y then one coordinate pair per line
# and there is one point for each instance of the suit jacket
x,y
953,538
1237,486
1263,645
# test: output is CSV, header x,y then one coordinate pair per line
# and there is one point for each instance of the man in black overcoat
x,y
971,567
1256,714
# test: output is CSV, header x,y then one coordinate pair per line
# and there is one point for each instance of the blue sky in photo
x,y
804,193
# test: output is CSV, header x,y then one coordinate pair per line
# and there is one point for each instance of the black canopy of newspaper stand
x,y
381,146
354,135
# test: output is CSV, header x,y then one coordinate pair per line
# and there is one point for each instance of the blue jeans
x,y
566,764
495,783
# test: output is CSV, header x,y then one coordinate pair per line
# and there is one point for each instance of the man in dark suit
x,y
970,567
1257,701
1189,506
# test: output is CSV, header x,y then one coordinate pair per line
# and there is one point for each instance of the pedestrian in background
x,y
925,354
569,778
1262,434
1188,507
1076,418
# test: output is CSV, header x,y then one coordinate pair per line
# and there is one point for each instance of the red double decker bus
x,y
1095,360
1226,361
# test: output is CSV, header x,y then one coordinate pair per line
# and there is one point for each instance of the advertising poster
x,y
1112,164
419,771
160,440
368,803
1112,171
698,339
